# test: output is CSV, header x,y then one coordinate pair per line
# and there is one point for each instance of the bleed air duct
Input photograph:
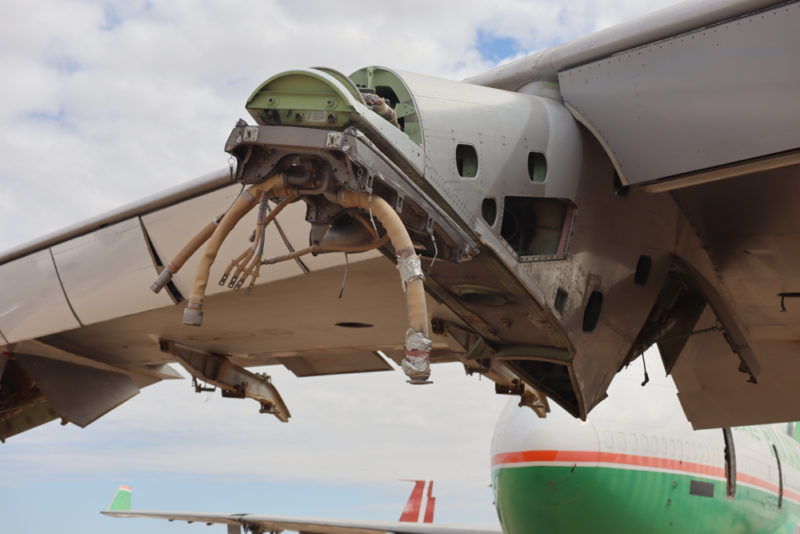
x,y
323,99
416,362
193,314
184,254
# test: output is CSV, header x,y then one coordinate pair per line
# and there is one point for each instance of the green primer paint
x,y
389,85
301,98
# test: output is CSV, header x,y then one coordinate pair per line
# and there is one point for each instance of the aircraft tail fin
x,y
431,505
420,505
121,500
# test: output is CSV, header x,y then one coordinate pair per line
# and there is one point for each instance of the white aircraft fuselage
x,y
636,465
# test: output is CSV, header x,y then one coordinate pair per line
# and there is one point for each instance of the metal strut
x,y
233,381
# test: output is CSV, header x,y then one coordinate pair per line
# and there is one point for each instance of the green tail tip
x,y
122,499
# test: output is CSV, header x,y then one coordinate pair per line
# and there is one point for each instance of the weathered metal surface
x,y
78,394
190,189
233,380
32,302
715,96
662,24
103,272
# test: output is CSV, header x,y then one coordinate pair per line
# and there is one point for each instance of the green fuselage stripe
x,y
575,499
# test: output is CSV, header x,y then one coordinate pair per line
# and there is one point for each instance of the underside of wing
x,y
84,333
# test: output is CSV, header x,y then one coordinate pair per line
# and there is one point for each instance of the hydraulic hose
x,y
317,249
416,363
184,254
258,245
193,314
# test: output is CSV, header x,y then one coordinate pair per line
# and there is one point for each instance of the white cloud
x,y
148,104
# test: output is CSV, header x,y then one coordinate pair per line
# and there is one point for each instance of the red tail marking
x,y
431,505
411,511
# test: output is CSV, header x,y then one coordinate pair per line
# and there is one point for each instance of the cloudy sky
x,y
107,102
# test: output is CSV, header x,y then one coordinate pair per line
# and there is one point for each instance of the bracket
x,y
233,381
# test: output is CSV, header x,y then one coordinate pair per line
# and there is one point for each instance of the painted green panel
x,y
599,500
122,499
386,82
301,98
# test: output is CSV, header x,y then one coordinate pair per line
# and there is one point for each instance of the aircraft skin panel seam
x,y
63,291
575,112
199,186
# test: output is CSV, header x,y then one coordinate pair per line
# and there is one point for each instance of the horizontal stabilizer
x,y
121,500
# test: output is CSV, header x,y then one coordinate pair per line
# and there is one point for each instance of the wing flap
x,y
660,111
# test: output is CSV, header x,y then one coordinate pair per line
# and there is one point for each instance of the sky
x,y
104,103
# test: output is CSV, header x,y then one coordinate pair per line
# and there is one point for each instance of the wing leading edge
x,y
121,507
268,523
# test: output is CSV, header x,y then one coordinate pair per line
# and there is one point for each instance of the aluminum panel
x,y
503,128
79,394
662,24
106,273
32,303
716,96
198,186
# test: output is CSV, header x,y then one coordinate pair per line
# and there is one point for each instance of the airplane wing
x,y
562,212
414,511
698,103
269,523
